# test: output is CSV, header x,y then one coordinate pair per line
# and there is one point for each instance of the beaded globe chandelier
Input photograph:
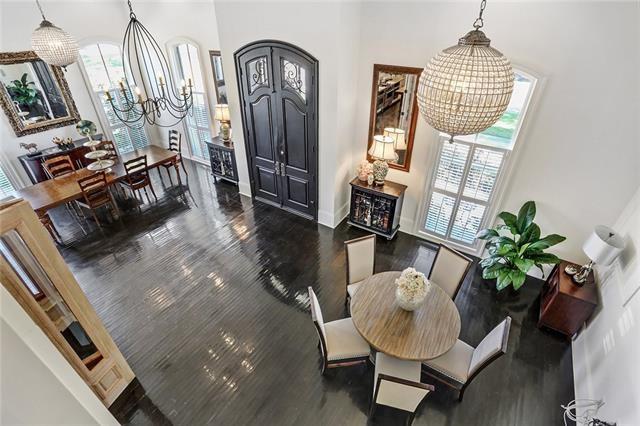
x,y
52,44
154,92
466,88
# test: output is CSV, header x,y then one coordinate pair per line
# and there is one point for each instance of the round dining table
x,y
426,333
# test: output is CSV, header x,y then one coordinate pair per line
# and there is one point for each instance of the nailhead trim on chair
x,y
445,374
348,356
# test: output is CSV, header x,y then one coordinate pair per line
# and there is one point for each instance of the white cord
x,y
591,407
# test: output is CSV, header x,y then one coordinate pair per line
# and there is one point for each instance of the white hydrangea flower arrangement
x,y
412,287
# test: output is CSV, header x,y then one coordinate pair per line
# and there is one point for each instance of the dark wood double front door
x,y
279,99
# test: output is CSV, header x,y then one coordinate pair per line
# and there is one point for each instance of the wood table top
x,y
54,192
426,333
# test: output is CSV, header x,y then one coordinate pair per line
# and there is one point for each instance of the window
x,y
197,124
104,69
468,171
6,187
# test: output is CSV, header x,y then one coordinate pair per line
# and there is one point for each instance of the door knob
x,y
282,152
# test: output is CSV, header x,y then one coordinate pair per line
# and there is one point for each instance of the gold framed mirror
x,y
34,95
394,109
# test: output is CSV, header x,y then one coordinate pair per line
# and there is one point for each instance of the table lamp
x,y
222,115
602,247
382,151
398,136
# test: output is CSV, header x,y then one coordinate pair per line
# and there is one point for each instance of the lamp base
x,y
225,131
380,170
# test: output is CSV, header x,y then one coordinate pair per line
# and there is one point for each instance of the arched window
x,y
103,69
186,64
466,173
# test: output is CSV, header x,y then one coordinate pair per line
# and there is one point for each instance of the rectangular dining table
x,y
54,192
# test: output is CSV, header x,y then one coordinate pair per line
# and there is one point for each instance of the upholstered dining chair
x,y
137,177
449,270
340,343
59,166
175,145
95,194
397,384
462,363
361,253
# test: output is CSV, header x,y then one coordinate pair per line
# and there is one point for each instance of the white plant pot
x,y
409,303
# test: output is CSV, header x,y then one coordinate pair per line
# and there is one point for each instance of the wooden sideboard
x,y
376,208
565,306
223,160
32,164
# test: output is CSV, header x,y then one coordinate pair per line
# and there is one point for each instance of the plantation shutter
x,y
6,188
464,183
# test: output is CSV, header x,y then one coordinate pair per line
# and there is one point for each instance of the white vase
x,y
407,302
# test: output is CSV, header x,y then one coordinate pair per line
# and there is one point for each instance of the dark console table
x,y
223,160
32,164
376,208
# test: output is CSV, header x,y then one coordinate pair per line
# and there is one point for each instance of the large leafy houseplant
x,y
515,247
22,92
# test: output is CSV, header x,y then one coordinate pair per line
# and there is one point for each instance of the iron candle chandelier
x,y
157,94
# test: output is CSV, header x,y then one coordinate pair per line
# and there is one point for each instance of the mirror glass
x,y
394,109
39,286
34,95
218,76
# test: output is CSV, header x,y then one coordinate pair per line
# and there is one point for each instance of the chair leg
x,y
372,409
461,393
160,175
183,168
95,217
147,194
410,418
169,174
152,191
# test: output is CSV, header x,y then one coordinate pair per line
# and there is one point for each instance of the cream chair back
x,y
449,270
402,394
360,258
316,313
492,346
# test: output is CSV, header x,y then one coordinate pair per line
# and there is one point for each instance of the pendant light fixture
x,y
52,44
466,88
147,71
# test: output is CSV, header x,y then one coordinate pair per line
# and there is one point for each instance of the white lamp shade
x,y
398,136
382,148
603,245
222,112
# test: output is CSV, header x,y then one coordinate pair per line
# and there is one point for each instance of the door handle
x,y
277,165
283,170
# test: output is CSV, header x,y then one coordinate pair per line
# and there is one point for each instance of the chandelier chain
x,y
131,14
479,22
41,11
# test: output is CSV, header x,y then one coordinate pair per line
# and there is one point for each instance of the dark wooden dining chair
x,y
59,166
110,147
175,145
137,177
95,194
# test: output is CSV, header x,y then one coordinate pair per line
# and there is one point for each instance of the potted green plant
x,y
22,93
515,247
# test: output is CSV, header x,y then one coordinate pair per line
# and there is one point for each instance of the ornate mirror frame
x,y
8,58
394,69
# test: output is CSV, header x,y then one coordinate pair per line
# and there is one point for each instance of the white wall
x,y
94,21
606,352
579,148
38,386
327,30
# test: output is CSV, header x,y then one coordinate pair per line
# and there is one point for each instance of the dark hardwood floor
x,y
205,294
